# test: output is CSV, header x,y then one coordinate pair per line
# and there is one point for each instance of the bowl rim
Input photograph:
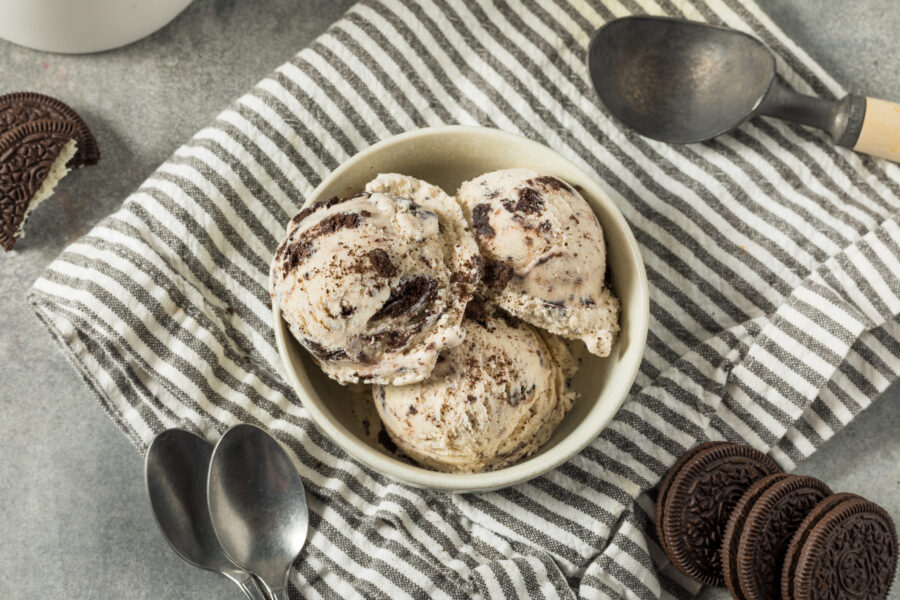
x,y
532,467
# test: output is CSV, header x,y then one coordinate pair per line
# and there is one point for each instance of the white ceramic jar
x,y
81,26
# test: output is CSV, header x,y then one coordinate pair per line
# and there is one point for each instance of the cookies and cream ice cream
x,y
489,402
544,254
375,285
379,288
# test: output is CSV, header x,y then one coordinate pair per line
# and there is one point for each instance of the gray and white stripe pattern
x,y
774,261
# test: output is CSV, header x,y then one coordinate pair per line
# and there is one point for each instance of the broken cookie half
x,y
33,158
41,139
20,108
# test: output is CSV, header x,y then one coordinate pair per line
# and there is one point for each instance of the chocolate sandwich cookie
x,y
760,529
700,498
26,107
845,548
666,483
801,535
27,154
736,523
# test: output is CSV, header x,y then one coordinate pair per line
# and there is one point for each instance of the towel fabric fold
x,y
773,260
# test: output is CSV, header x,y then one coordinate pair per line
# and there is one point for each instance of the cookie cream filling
x,y
57,171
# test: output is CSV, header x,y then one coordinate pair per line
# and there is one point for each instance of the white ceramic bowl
x,y
447,156
80,26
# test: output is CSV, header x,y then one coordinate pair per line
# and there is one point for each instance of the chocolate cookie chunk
x,y
27,107
27,156
700,498
410,296
845,548
496,276
760,529
481,221
381,262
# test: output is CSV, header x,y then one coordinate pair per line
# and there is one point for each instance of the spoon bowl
x,y
175,473
258,504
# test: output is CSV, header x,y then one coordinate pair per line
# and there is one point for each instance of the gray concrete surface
x,y
74,522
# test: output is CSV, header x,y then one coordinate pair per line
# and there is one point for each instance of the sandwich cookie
x,y
698,500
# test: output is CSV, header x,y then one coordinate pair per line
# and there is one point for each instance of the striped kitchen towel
x,y
773,259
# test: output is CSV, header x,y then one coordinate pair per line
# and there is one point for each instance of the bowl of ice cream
x,y
390,307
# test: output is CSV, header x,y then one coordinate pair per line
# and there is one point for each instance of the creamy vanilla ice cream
x,y
375,285
544,254
489,402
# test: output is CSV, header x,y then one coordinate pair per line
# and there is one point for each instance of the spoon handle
x,y
880,135
278,593
248,585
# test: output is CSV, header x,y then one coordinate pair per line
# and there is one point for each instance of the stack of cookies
x,y
727,515
41,139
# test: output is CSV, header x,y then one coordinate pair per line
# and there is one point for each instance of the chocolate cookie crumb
x,y
549,182
323,353
295,254
304,247
417,290
475,268
531,202
546,258
481,221
335,223
497,275
334,200
382,263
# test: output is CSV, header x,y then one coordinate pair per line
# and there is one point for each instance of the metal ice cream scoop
x,y
681,82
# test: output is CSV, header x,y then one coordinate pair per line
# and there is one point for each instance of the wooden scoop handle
x,y
880,134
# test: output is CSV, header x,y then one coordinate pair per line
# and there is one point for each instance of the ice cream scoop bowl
x,y
447,156
682,81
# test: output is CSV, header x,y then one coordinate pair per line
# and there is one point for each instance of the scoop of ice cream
x,y
544,254
489,402
370,286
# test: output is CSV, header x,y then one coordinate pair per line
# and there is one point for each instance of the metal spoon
x,y
258,504
175,472
680,82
